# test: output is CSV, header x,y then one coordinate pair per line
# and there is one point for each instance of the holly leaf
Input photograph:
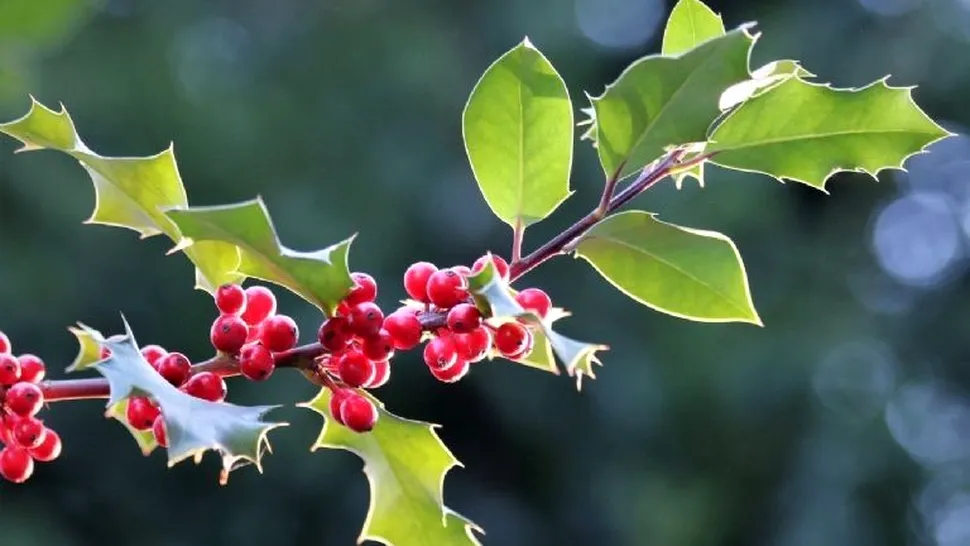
x,y
237,433
660,101
762,80
320,277
130,192
688,273
405,463
518,131
807,132
690,23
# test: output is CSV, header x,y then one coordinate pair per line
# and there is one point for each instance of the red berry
x,y
256,362
260,305
358,413
153,353
474,345
463,270
141,413
447,288
16,465
404,327
452,373
279,333
174,367
207,386
380,346
366,319
464,318
535,300
339,395
500,265
334,334
416,280
513,340
159,431
228,334
105,353
440,352
382,373
9,369
24,399
230,299
354,368
49,449
4,344
28,432
365,289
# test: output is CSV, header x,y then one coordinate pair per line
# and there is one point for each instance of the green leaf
x,y
405,462
806,132
687,273
578,357
518,130
321,277
762,80
662,101
130,192
690,24
193,425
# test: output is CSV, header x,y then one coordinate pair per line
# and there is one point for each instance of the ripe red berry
x,y
513,340
24,399
49,449
141,413
338,397
452,373
535,300
404,327
256,362
464,318
358,413
447,288
382,373
260,305
32,368
153,353
16,464
230,299
365,289
334,334
228,334
366,319
500,265
440,352
207,386
4,344
474,345
28,432
279,333
9,369
416,280
379,346
159,431
174,367
354,368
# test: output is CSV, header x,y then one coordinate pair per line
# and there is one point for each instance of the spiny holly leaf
x,y
405,463
321,277
690,23
661,101
577,356
762,80
684,272
517,128
130,192
193,425
807,132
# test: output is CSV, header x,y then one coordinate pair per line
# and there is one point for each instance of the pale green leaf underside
x,y
688,273
806,132
321,277
405,463
662,101
518,131
690,23
130,192
193,425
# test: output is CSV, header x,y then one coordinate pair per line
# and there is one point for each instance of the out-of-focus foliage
x,y
839,423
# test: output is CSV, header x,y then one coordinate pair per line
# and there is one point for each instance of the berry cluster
x,y
26,438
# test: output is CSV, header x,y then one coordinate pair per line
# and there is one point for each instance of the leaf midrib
x,y
834,134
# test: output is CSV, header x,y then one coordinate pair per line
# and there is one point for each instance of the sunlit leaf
x,y
690,24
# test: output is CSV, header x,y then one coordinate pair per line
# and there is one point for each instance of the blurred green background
x,y
844,422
